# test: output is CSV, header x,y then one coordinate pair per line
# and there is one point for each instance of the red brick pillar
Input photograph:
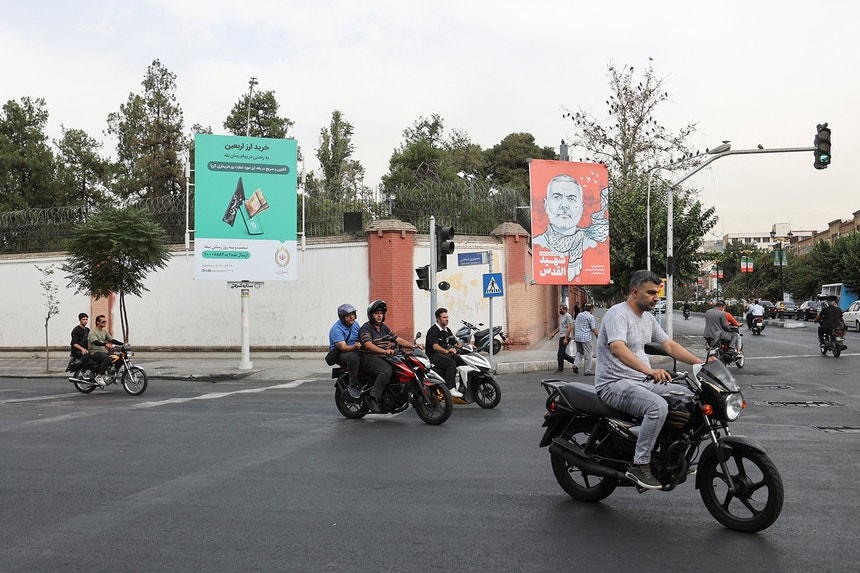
x,y
526,303
391,246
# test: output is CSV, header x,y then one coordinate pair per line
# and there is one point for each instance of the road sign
x,y
466,259
493,285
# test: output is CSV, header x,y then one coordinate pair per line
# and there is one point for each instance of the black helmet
x,y
345,310
376,306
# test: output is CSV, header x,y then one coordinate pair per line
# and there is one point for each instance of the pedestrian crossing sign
x,y
493,285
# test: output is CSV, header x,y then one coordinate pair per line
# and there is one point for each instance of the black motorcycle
x,y
722,351
120,371
686,314
591,446
833,341
757,325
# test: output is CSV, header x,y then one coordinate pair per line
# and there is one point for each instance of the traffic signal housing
x,y
444,246
423,281
822,146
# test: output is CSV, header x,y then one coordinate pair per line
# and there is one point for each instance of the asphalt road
x,y
267,476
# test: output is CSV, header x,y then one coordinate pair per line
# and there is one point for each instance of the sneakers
x,y
354,391
100,381
575,370
641,474
455,393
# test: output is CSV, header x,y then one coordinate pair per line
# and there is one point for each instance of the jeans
x,y
352,362
378,367
562,353
643,399
583,356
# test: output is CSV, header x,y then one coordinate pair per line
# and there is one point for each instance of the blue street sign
x,y
466,259
493,285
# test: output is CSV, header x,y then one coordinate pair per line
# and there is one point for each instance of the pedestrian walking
x,y
584,327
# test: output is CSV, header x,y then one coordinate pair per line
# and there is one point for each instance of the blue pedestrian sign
x,y
493,285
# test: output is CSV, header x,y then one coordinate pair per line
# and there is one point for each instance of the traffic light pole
x,y
670,229
432,269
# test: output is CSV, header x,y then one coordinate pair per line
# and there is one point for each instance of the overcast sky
x,y
762,72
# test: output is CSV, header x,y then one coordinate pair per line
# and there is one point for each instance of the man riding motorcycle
x,y
377,340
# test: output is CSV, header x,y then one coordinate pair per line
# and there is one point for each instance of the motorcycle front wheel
x,y
134,381
576,483
435,408
486,392
348,407
497,346
823,349
740,361
757,500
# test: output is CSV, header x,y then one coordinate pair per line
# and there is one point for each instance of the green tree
x,y
52,305
342,177
82,173
264,118
114,252
26,161
507,161
150,139
634,147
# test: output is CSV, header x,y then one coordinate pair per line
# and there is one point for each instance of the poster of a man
x,y
570,222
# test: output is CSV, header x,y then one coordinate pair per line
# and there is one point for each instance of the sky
x,y
755,73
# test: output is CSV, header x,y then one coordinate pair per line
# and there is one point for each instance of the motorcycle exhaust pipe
x,y
573,455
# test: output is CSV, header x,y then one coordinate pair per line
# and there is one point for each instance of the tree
x,y
633,145
264,118
26,161
151,141
114,252
52,305
343,178
82,173
507,161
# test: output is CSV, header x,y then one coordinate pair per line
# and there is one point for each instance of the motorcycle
x,y
591,445
833,342
725,353
474,379
121,370
757,325
409,385
482,338
686,314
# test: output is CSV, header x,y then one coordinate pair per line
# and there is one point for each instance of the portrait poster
x,y
244,208
570,222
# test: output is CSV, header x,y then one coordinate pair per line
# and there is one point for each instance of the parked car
x,y
660,307
790,310
808,310
852,315
769,308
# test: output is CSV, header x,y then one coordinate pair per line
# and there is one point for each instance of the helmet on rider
x,y
345,310
375,306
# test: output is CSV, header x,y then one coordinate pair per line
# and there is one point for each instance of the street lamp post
x,y
782,259
252,82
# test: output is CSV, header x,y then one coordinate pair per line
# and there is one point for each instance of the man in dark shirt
x,y
442,351
829,318
80,335
377,340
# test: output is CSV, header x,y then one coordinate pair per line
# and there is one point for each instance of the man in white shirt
x,y
754,310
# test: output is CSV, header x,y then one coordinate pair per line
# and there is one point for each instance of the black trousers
x,y
446,365
562,353
352,362
378,368
101,361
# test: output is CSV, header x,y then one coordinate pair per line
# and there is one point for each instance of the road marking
x,y
36,398
216,395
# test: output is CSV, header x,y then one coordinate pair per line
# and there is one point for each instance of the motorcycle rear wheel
x,y
348,407
757,502
134,381
83,387
486,392
837,351
435,408
577,484
823,349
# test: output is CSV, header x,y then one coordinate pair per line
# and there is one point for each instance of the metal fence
x,y
473,210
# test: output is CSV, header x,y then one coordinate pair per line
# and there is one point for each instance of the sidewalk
x,y
273,366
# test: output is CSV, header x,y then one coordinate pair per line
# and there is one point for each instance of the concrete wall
x,y
179,312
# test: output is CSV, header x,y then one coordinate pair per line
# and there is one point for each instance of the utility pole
x,y
252,82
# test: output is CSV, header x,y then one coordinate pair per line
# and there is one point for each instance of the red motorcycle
x,y
409,385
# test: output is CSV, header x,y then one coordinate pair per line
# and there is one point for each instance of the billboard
x,y
244,208
570,222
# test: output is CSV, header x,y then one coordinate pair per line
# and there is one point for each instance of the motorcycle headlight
x,y
734,405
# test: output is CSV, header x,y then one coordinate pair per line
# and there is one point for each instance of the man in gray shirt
x,y
565,324
625,379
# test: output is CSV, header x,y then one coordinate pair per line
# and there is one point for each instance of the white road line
x,y
216,395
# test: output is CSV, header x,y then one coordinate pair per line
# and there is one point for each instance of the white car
x,y
852,316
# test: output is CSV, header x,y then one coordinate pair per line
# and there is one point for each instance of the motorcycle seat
x,y
585,399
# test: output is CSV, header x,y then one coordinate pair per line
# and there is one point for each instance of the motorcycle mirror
x,y
444,285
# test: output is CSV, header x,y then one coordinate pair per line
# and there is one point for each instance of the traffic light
x,y
822,147
423,281
444,246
